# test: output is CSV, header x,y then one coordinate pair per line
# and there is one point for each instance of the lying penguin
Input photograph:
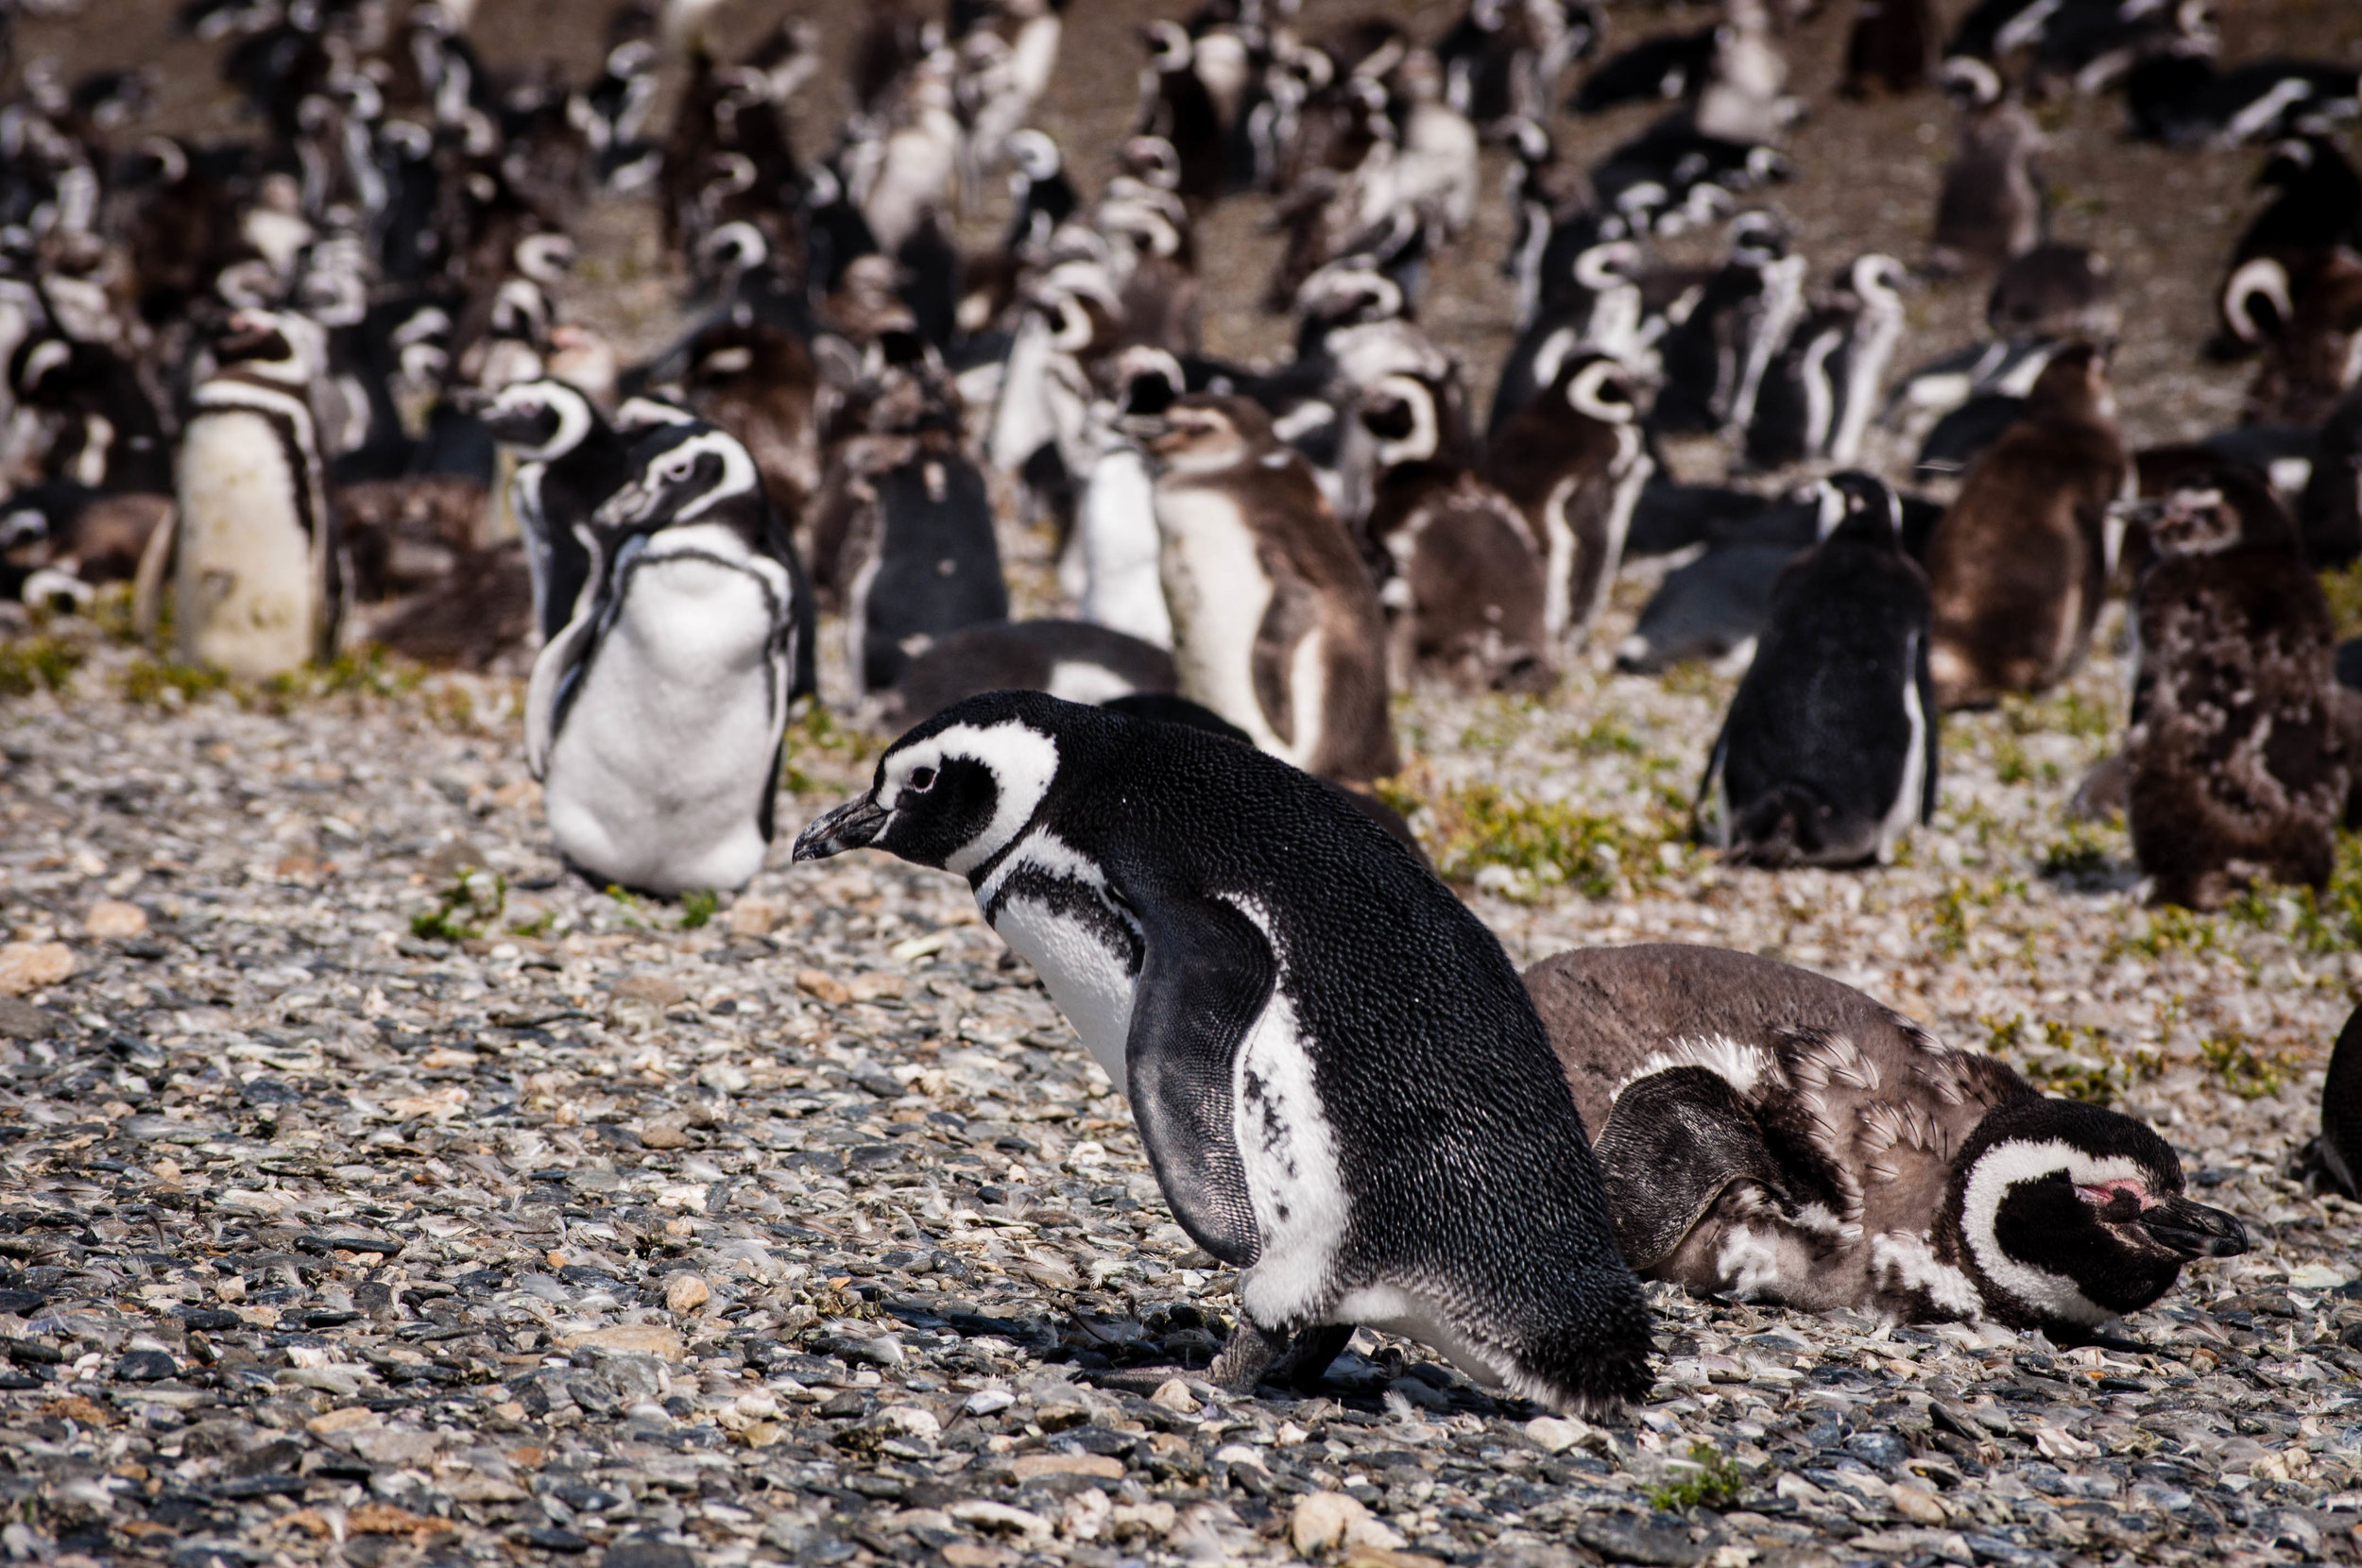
x,y
1343,1091
654,717
1770,1134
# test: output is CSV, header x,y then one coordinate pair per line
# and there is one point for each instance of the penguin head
x,y
1413,419
2065,1215
1205,433
1596,386
1877,277
2224,508
686,473
2072,384
278,345
1855,505
540,419
956,790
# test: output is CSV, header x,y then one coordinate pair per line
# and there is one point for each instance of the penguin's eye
x,y
923,779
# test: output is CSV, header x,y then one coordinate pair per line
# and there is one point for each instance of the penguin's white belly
x,y
1122,583
1288,1153
1088,979
245,600
657,776
1218,593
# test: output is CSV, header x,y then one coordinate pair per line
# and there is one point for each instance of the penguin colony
x,y
318,387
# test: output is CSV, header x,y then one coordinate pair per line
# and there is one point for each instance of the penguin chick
x,y
1461,575
2237,770
758,383
1828,754
654,718
2019,565
1259,967
1573,462
1770,1134
257,590
2055,291
1276,623
1993,205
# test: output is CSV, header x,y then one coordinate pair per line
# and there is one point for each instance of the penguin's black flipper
x,y
1673,1142
1206,978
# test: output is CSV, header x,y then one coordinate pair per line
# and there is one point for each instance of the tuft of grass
x,y
696,908
2169,929
1716,1484
1955,916
1551,843
820,730
472,902
2070,1060
2247,1072
162,683
1500,723
2085,853
1602,737
30,664
2068,713
371,673
2343,590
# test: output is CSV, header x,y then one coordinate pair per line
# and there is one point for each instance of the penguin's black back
x,y
938,563
1820,720
2340,1149
1455,1132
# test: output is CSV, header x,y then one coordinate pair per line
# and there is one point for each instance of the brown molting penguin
x,y
1276,623
1462,572
2238,773
1992,207
2309,321
758,383
1770,1134
2019,565
2055,291
1572,461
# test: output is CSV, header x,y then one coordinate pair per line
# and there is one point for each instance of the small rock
x,y
987,1515
1921,1507
1029,1467
352,1418
630,1339
877,984
1556,1434
653,990
1174,1395
640,1552
145,1366
752,917
113,917
1324,1520
665,1132
1627,1538
987,1401
22,1020
687,1292
823,986
33,966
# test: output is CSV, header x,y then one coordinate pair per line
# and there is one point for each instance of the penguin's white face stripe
x,y
2263,277
46,356
1423,441
738,471
1022,762
1588,393
2004,1166
572,408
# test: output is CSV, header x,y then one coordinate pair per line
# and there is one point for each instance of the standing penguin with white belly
x,y
257,584
1341,1086
1276,623
654,718
1828,754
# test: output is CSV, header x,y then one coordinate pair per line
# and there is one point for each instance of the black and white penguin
x,y
920,560
2329,509
1660,69
654,719
258,587
2197,105
1276,623
1072,660
1573,462
1259,966
569,461
1821,391
1461,574
1711,610
1715,355
1891,48
2021,562
1595,304
2336,1156
1827,756
1770,1134
2317,208
2238,774
1121,551
109,435
1502,58
2306,315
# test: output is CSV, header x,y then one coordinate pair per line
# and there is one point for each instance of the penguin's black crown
x,y
2065,1215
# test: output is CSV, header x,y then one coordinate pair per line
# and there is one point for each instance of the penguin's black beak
x,y
2192,1231
626,505
852,826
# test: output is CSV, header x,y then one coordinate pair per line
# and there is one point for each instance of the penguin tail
x,y
1593,1367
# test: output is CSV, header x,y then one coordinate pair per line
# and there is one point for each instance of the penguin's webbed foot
x,y
1257,1356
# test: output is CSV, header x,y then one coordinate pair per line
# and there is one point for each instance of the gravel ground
x,y
374,1193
